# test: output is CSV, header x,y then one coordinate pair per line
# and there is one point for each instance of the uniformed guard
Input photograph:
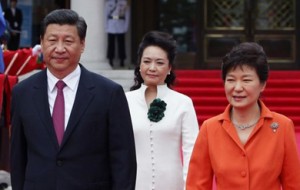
x,y
117,16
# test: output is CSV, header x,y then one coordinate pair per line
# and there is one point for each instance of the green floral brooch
x,y
156,110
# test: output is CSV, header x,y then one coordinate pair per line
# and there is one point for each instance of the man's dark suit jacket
x,y
97,151
13,43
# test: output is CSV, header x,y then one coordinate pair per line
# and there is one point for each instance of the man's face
x,y
62,48
13,4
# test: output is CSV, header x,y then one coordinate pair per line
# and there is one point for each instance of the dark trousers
x,y
13,42
111,46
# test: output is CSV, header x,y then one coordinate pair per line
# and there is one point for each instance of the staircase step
x,y
282,92
209,110
284,74
282,101
198,74
190,82
199,91
288,111
278,83
209,101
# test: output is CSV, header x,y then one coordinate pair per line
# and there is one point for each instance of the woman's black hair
x,y
250,54
164,41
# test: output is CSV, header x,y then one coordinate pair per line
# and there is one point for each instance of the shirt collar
x,y
70,80
265,112
161,90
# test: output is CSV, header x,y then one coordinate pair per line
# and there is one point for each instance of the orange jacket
x,y
268,161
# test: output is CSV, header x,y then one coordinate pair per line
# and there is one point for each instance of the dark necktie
x,y
58,115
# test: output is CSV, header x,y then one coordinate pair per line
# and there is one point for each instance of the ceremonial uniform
x,y
117,15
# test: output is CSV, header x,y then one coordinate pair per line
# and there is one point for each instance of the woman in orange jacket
x,y
247,147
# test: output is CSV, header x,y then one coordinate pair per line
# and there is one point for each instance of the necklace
x,y
244,126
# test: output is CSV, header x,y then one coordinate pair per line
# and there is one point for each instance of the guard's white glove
x,y
5,177
36,50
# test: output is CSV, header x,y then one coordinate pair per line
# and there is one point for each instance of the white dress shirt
x,y
69,90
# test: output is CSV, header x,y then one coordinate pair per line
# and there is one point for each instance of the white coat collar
x,y
161,90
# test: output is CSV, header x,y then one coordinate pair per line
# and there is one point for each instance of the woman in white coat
x,y
164,121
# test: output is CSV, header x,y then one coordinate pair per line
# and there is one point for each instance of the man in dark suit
x,y
97,147
14,17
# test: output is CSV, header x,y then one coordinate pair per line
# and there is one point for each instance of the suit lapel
x,y
40,99
83,97
229,128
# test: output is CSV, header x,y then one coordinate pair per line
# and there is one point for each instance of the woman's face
x,y
243,87
154,66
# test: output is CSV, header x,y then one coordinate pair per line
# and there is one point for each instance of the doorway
x,y
271,23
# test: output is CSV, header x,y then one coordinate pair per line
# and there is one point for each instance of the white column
x,y
94,56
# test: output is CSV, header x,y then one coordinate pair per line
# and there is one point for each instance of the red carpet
x,y
205,87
